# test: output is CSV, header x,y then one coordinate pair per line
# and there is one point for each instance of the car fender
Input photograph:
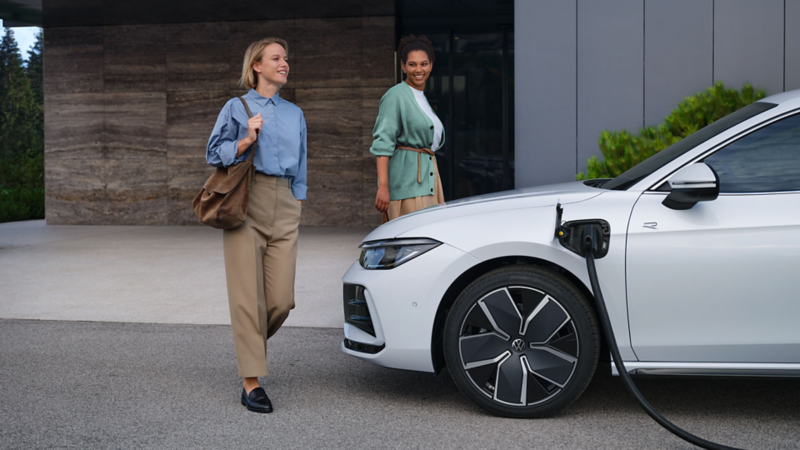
x,y
500,235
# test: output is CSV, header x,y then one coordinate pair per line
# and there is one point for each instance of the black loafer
x,y
257,401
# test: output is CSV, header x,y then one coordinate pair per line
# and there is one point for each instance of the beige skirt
x,y
405,206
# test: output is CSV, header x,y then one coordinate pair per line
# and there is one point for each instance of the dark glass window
x,y
660,159
766,160
478,113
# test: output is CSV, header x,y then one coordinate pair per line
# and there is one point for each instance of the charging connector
x,y
590,239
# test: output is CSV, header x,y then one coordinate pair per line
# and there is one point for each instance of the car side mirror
x,y
695,183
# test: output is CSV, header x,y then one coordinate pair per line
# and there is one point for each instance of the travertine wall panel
x,y
377,52
190,118
197,56
129,109
135,58
335,186
135,154
74,125
74,190
74,110
334,115
369,189
136,190
135,124
327,53
73,60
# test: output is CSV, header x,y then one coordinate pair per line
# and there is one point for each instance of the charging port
x,y
573,236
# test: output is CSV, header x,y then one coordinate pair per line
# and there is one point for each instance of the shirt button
x,y
430,157
431,127
431,173
431,190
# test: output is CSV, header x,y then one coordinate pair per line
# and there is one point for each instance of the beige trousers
x,y
260,259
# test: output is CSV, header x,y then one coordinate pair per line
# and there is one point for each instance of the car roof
x,y
788,98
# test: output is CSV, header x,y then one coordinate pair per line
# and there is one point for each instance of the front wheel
x,y
521,341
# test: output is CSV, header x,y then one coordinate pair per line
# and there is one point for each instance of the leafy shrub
x,y
622,149
22,186
21,204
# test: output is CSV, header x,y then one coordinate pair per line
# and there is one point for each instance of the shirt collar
x,y
261,100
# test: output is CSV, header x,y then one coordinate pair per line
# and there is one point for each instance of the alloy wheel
x,y
519,346
521,341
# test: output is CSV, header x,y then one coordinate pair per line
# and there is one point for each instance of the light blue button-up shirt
x,y
281,145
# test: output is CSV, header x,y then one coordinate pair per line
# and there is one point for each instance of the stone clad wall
x,y
128,112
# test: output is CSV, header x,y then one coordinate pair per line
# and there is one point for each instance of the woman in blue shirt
x,y
260,255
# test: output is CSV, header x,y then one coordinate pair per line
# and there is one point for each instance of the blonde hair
x,y
253,55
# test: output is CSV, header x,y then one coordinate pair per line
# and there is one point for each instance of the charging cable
x,y
591,247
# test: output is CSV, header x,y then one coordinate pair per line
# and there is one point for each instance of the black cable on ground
x,y
626,378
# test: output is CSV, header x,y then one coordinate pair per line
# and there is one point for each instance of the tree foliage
x,y
21,134
34,70
622,149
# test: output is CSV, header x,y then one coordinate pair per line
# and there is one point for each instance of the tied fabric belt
x,y
419,151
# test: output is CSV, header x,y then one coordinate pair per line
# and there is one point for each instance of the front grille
x,y
356,312
363,348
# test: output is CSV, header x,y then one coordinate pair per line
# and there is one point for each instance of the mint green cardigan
x,y
401,122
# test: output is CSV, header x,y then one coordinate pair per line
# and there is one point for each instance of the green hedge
x,y
21,204
21,186
622,149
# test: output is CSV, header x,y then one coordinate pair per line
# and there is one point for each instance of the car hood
x,y
533,197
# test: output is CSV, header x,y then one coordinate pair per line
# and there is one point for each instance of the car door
x,y
720,282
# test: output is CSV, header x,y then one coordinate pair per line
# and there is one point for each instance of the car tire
x,y
521,341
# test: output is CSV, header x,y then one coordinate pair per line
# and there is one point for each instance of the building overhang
x,y
72,13
21,13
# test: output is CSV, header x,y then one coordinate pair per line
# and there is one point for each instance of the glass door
x,y
471,90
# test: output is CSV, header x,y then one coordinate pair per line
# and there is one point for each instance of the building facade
x,y
523,87
593,65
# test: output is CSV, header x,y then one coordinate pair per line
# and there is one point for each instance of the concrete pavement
x,y
154,274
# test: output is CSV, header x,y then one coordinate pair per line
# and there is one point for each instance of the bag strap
x,y
250,114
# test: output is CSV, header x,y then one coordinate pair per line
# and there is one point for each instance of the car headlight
x,y
391,253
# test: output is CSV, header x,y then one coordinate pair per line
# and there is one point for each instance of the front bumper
x,y
389,314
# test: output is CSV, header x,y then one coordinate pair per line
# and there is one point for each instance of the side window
x,y
766,160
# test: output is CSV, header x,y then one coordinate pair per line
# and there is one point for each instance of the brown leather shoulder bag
x,y
222,203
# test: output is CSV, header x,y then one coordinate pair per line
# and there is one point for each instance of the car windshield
x,y
655,162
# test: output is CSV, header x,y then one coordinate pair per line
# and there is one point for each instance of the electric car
x,y
699,271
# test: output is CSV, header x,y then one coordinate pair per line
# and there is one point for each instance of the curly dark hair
x,y
411,43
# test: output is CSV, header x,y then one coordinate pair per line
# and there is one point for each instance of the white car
x,y
700,275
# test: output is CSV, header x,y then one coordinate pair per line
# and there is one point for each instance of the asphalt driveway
x,y
93,385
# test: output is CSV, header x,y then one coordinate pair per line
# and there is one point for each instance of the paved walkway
x,y
154,274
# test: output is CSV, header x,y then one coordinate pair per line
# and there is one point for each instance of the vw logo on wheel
x,y
518,345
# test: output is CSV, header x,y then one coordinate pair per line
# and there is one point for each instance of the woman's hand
x,y
382,199
254,127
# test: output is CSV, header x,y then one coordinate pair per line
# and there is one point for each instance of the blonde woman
x,y
260,255
407,133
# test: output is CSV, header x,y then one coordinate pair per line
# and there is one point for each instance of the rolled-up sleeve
x,y
224,141
299,187
385,132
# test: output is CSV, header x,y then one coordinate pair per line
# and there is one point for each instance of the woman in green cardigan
x,y
407,133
